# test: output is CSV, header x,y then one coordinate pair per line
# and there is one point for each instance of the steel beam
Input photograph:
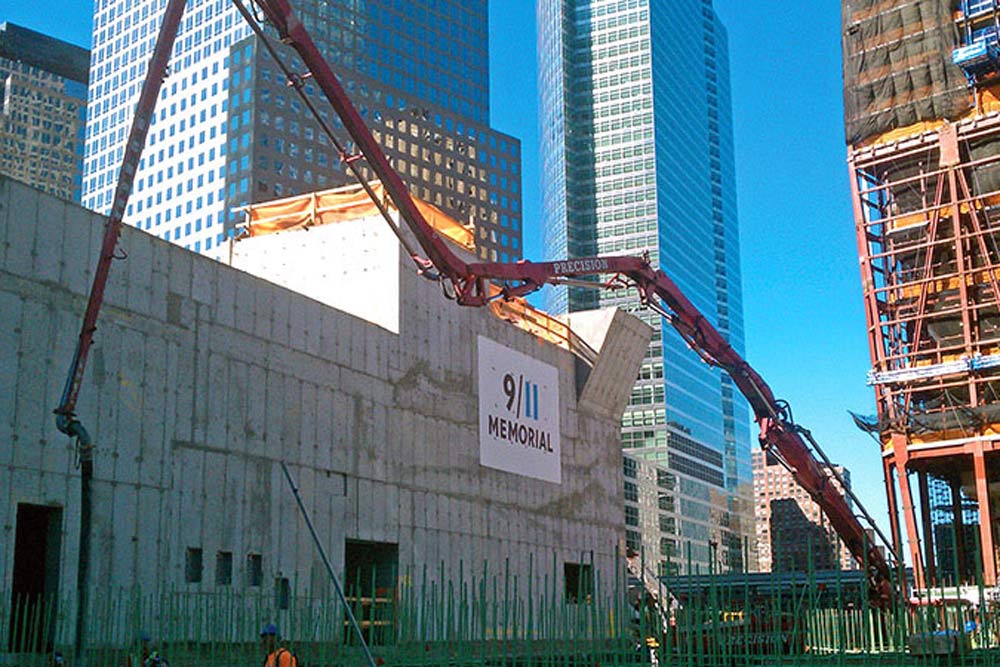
x,y
909,515
985,519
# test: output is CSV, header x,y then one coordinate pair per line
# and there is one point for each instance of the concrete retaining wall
x,y
203,377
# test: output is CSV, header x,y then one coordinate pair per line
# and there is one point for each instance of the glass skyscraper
x,y
228,130
637,156
43,110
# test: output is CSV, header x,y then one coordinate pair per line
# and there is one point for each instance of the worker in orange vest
x,y
277,656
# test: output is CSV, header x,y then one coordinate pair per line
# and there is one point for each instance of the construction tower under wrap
x,y
922,120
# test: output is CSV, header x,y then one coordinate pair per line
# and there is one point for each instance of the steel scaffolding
x,y
927,215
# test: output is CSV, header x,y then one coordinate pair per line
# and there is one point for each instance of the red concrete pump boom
x,y
471,282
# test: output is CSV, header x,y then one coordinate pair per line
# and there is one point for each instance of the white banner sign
x,y
518,413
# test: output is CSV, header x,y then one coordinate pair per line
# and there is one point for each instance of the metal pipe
x,y
66,420
329,568
85,451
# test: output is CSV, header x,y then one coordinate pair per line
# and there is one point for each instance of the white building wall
x,y
351,265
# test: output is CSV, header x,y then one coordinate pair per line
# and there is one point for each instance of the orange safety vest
x,y
281,657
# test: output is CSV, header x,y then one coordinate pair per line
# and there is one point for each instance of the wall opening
x,y
578,579
224,568
192,565
282,593
370,570
35,581
255,570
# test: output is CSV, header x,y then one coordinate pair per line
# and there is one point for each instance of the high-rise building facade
x,y
229,131
650,514
792,531
637,156
923,153
43,110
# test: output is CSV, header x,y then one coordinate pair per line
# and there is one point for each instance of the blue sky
x,y
805,327
803,304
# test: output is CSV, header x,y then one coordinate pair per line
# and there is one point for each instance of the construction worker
x,y
147,656
276,656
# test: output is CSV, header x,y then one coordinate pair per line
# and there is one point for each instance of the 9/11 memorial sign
x,y
518,413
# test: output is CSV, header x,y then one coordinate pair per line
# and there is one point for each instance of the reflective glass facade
x,y
228,131
43,110
638,157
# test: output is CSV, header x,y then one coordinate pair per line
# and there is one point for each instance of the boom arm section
x,y
66,420
778,433
471,288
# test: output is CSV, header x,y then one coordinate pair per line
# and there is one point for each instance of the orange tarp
x,y
944,212
527,318
902,133
913,290
946,438
330,206
342,204
988,102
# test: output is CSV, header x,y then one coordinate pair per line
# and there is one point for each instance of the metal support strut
x,y
329,568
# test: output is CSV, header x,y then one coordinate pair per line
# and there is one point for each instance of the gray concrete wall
x,y
203,377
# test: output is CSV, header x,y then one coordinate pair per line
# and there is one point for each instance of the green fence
x,y
429,617
484,615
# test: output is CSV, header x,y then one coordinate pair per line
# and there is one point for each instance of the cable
x,y
295,81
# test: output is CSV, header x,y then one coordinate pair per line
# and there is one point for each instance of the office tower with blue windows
x,y
43,110
228,130
637,156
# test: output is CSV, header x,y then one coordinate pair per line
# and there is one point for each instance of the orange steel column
x,y
890,494
867,276
985,517
912,535
928,529
950,159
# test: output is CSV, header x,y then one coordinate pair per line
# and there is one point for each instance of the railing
x,y
490,617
